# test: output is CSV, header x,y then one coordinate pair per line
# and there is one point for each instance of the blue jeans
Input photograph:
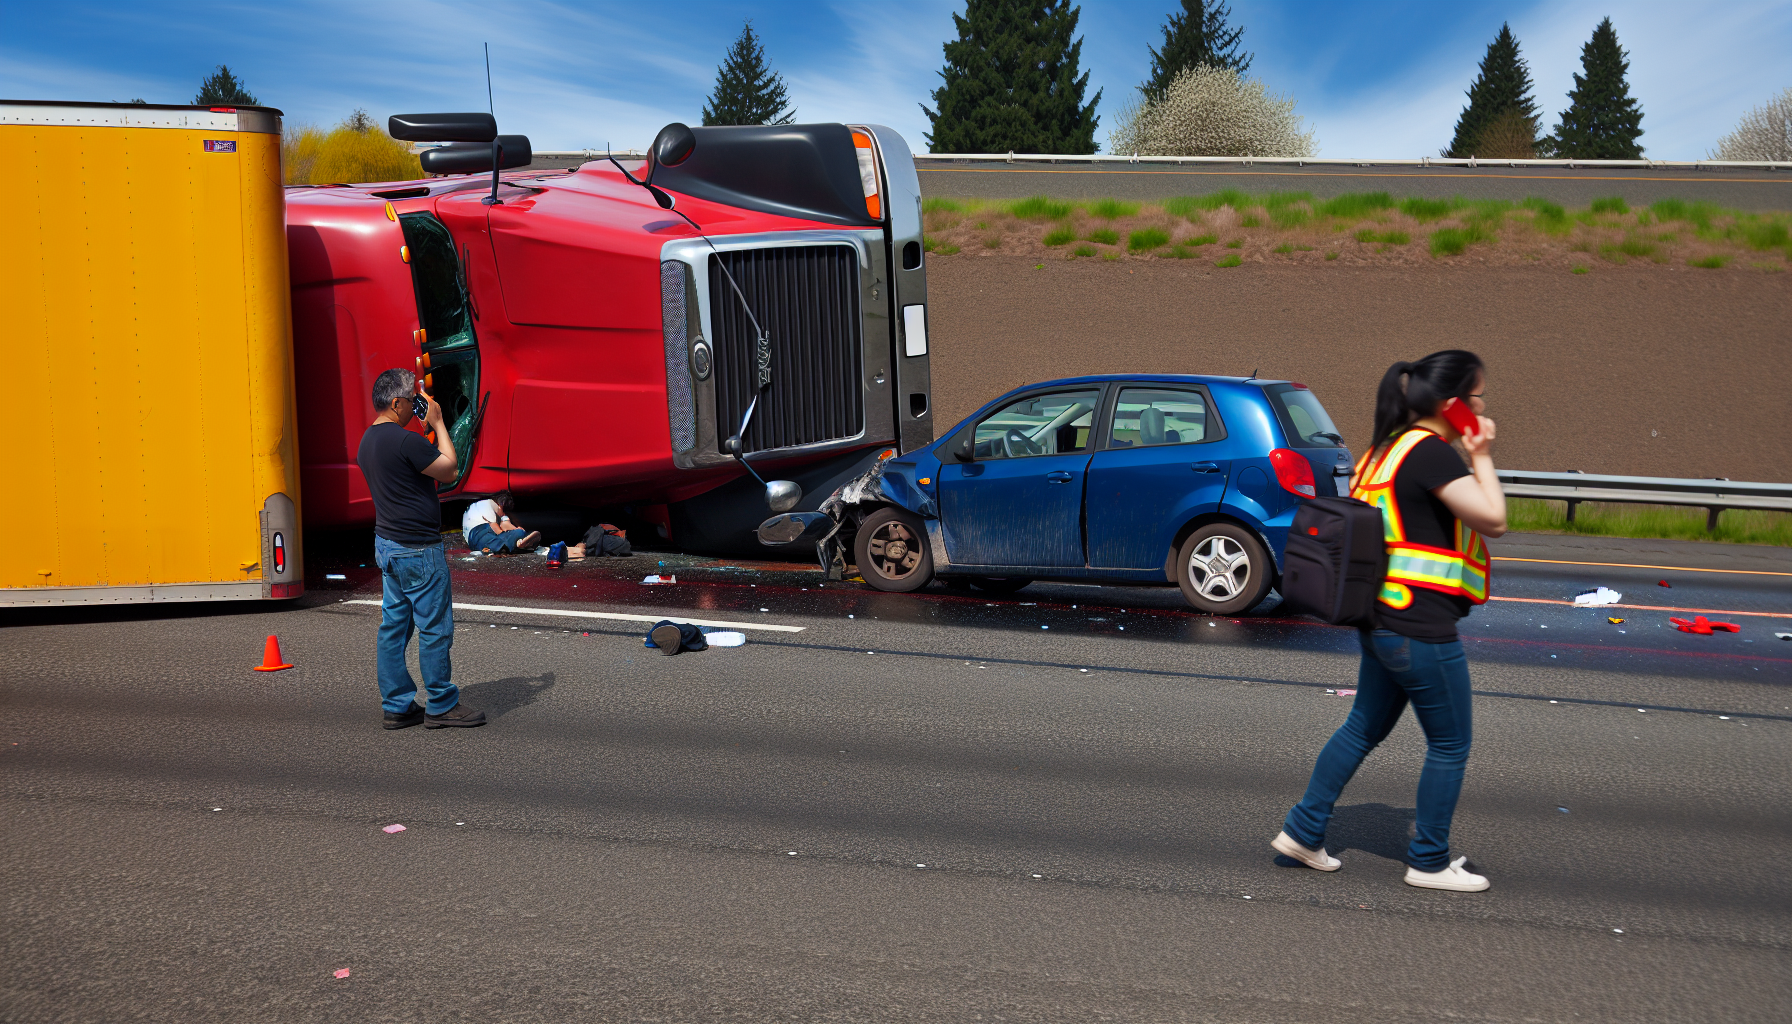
x,y
1396,671
416,596
482,537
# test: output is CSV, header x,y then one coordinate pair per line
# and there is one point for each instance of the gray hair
x,y
394,383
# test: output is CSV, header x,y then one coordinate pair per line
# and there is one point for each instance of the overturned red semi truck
x,y
598,337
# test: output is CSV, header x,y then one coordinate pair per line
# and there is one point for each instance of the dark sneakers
x,y
667,638
458,716
405,721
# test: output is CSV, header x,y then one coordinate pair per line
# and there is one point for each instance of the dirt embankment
x,y
1652,374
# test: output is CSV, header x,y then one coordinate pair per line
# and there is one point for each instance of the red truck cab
x,y
592,348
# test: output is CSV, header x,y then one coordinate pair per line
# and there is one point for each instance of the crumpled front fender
x,y
890,482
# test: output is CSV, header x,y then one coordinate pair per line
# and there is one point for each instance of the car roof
x,y
1148,378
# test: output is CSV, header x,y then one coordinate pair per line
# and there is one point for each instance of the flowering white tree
x,y
1209,111
1765,133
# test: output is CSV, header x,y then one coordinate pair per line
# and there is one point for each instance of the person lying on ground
x,y
602,539
488,528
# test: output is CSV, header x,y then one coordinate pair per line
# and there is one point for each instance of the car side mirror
x,y
962,451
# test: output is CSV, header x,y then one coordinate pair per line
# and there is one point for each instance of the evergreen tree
x,y
1503,88
1011,82
1602,121
747,90
222,89
1197,36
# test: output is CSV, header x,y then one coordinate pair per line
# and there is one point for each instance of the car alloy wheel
x,y
1219,568
1224,569
891,551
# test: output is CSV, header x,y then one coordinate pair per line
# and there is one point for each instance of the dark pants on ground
x,y
1396,671
417,596
483,538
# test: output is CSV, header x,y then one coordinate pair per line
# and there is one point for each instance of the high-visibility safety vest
x,y
1461,572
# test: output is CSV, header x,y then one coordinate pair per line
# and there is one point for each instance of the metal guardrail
x,y
1297,161
1714,495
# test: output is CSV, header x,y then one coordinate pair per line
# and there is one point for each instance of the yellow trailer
x,y
147,391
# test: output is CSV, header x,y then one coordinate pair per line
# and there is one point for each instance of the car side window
x,y
1150,416
1055,424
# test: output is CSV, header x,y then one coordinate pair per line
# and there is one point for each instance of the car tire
x,y
1237,582
893,532
999,584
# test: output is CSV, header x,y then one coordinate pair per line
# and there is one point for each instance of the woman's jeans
x,y
483,538
1397,670
416,594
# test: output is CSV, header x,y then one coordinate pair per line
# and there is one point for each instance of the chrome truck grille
x,y
807,301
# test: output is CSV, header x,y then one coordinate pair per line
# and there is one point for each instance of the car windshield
x,y
1149,416
1304,420
1053,424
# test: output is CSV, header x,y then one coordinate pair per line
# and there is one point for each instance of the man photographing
x,y
402,468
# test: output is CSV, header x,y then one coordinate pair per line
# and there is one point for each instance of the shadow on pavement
x,y
1375,829
499,697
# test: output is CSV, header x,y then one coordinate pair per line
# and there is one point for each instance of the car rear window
x,y
1304,420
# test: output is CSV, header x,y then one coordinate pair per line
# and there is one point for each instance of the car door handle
x,y
1059,477
1205,467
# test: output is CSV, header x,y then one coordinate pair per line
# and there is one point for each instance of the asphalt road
x,y
942,806
1743,190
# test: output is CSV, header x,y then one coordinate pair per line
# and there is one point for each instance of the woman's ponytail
x,y
1412,391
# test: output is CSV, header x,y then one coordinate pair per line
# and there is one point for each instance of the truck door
x,y
450,351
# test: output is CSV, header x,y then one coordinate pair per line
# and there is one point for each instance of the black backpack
x,y
1335,561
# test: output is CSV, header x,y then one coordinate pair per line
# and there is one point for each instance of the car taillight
x,y
1294,472
874,203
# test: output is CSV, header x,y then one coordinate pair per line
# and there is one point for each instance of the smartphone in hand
x,y
1460,417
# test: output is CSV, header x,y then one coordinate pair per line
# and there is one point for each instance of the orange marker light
x,y
404,253
391,214
868,174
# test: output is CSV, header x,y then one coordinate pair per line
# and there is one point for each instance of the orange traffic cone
x,y
270,656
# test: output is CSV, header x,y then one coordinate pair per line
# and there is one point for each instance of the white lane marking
x,y
619,616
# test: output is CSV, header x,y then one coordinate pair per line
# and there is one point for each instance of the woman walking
x,y
1435,510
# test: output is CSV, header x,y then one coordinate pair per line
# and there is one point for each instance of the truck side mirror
x,y
467,157
782,495
673,145
442,127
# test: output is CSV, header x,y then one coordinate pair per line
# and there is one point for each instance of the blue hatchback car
x,y
1135,479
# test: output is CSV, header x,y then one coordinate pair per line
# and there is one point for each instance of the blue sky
x,y
1373,78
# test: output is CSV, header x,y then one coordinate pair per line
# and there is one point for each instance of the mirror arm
x,y
497,159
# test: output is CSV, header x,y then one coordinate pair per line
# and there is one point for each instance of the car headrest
x,y
1151,426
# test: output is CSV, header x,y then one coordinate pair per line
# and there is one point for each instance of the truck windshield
x,y
442,309
1304,420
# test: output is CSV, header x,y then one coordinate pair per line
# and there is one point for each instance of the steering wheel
x,y
1016,444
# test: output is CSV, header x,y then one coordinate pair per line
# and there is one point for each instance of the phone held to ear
x,y
1460,417
420,407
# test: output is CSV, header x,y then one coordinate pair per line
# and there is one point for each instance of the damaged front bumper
x,y
827,528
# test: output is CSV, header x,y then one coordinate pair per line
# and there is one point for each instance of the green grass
x,y
1236,243
1709,262
993,242
1146,239
1083,250
1284,249
1453,241
1697,214
1769,235
1181,251
1547,216
1331,255
1578,269
1230,261
1201,240
1423,210
947,250
1250,220
1355,205
1611,204
1369,235
1109,209
1189,206
1634,246
929,243
1110,255
1649,522
940,204
1061,235
1039,208
1106,236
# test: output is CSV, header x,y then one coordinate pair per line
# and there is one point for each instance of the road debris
x,y
656,579
1613,621
1703,626
334,576
1664,583
1597,598
1784,636
1564,810
342,973
389,829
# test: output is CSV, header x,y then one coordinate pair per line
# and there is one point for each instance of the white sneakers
x,y
1455,878
1318,860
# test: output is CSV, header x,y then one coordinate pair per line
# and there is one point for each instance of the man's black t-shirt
x,y
1432,615
405,508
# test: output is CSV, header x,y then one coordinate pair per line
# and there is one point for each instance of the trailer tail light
x,y
874,204
1294,472
280,554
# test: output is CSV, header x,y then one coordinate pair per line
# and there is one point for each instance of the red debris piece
x,y
1664,583
1703,626
342,973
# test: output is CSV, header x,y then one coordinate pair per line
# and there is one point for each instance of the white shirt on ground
x,y
486,512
